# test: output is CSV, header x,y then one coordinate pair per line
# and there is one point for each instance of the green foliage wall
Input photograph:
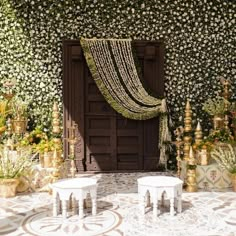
x,y
199,37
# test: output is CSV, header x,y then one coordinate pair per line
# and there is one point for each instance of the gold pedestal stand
x,y
191,173
226,95
187,130
56,131
72,140
198,134
191,182
178,143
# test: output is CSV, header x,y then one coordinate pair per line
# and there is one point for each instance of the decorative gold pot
x,y
204,157
19,125
47,159
191,181
218,122
8,187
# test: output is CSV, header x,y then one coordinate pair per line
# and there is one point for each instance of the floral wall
x,y
199,38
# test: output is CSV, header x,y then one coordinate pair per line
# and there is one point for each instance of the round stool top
x,y
74,183
159,181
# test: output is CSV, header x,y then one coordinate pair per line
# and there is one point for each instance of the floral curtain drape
x,y
112,65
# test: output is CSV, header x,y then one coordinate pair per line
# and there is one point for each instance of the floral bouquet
x,y
215,106
14,166
225,157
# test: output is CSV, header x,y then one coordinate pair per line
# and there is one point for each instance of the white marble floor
x,y
205,213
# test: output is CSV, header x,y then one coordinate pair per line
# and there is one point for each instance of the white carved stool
x,y
77,188
154,187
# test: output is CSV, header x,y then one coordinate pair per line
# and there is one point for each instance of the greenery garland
x,y
121,86
115,87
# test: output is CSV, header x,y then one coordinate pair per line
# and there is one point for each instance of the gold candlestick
x,y
198,134
179,142
188,118
226,95
72,141
191,173
57,160
187,130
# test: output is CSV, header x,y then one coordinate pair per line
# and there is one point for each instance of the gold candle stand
x,y
187,130
191,173
198,134
178,143
226,95
56,130
72,140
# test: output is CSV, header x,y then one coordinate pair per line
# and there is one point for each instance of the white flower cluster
x,y
199,38
225,157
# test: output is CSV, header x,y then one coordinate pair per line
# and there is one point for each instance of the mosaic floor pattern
x,y
208,213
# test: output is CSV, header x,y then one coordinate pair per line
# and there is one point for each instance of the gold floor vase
x,y
8,187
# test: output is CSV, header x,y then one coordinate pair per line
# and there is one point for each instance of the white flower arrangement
x,y
32,31
226,157
14,166
215,106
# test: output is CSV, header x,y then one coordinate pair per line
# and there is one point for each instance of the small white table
x,y
77,189
154,187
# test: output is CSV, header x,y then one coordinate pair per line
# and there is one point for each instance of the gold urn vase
x,y
19,125
191,181
218,122
8,187
204,157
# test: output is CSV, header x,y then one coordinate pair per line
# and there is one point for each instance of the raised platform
x,y
209,177
39,179
213,177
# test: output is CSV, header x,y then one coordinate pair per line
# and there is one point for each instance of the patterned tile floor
x,y
209,213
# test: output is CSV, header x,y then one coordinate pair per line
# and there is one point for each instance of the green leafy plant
x,y
14,166
205,144
45,146
215,106
34,137
19,108
222,135
225,157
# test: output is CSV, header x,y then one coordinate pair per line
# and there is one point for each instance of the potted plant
x,y
34,139
19,114
216,107
226,158
45,149
11,169
221,137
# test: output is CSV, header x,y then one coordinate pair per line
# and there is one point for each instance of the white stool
x,y
77,188
154,187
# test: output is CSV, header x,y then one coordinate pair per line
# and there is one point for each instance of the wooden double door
x,y
106,141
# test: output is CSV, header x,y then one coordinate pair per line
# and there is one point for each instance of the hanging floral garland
x,y
113,68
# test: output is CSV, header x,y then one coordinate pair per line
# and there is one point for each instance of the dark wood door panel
x,y
106,140
128,161
98,123
99,161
